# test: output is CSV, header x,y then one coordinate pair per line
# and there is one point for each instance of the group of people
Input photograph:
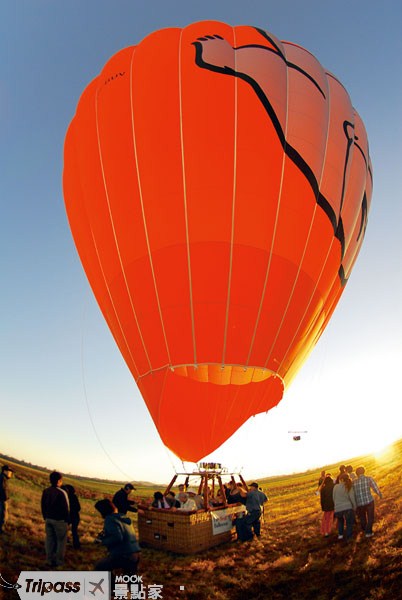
x,y
188,499
346,497
60,507
342,498
253,498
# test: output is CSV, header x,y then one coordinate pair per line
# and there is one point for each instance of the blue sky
x,y
67,399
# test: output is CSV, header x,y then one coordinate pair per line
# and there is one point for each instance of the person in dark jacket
x,y
327,505
160,501
119,538
75,508
255,500
233,493
121,499
171,498
56,512
5,475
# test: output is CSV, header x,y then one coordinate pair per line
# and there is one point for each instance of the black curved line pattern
x,y
363,221
271,41
289,150
350,142
289,64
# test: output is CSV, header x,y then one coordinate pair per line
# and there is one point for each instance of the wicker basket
x,y
184,533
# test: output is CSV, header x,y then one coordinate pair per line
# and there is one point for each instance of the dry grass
x,y
290,561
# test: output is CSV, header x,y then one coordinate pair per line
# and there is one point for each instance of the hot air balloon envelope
x,y
217,183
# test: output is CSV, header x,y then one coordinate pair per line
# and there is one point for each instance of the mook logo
x,y
59,585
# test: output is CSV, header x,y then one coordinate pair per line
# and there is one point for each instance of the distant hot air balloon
x,y
217,183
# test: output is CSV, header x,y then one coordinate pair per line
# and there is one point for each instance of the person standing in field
x,y
350,472
56,512
5,475
255,500
327,505
75,508
365,502
121,499
321,479
344,505
342,470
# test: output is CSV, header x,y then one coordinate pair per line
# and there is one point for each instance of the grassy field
x,y
291,560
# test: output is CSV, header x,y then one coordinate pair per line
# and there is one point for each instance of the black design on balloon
x,y
290,151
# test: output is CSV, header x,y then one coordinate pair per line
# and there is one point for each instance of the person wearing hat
x,y
255,500
196,497
122,502
5,475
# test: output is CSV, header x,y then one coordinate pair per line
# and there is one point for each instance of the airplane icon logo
x,y
96,587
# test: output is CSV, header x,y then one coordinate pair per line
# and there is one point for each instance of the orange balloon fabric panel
x,y
217,183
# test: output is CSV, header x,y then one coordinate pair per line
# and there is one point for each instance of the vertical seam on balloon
x,y
328,96
157,422
143,209
357,245
233,206
114,231
264,289
335,278
296,279
185,204
230,408
328,312
114,308
282,176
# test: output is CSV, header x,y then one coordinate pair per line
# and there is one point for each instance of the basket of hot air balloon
x,y
186,533
191,532
217,183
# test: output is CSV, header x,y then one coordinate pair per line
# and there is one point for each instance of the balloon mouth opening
x,y
224,374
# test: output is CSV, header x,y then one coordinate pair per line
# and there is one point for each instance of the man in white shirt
x,y
186,503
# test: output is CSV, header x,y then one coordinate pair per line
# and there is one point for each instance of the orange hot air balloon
x,y
217,183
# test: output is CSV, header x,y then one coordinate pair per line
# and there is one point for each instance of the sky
x,y
67,399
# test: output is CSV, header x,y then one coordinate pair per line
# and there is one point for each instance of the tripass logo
x,y
45,587
59,585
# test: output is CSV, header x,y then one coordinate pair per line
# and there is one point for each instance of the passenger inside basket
x,y
186,503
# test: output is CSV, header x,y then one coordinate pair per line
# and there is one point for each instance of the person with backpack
x,y
119,538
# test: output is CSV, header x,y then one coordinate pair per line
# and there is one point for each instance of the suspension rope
x,y
126,476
